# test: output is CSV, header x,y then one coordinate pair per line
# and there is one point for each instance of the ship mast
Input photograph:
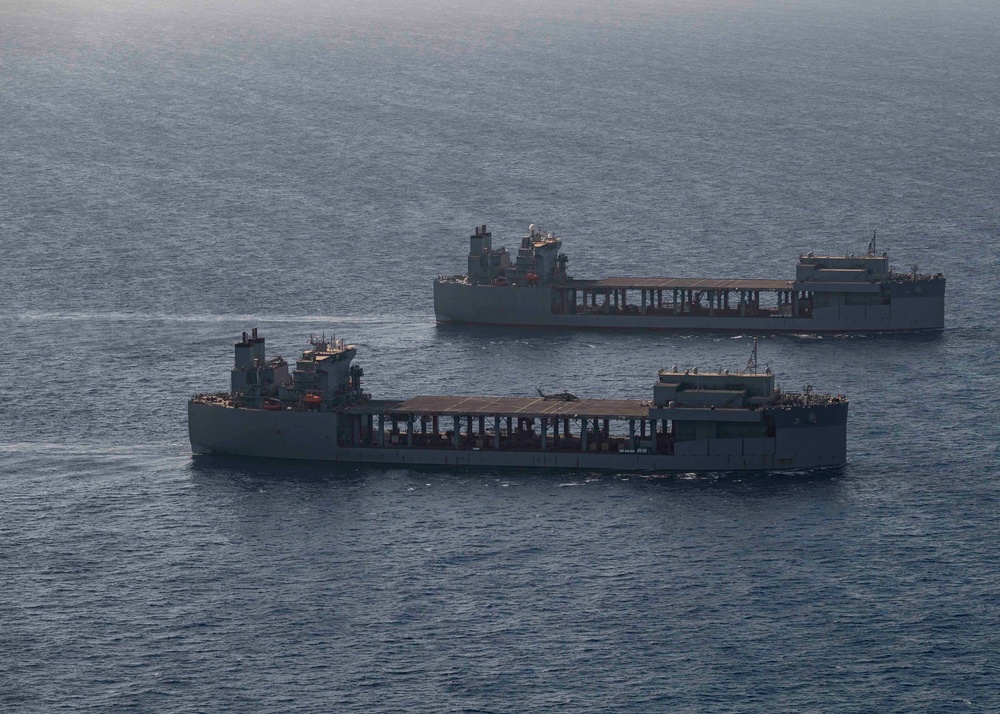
x,y
751,367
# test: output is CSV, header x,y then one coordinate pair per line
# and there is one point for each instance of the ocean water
x,y
173,173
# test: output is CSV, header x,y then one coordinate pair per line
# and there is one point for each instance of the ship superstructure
x,y
323,376
843,293
695,421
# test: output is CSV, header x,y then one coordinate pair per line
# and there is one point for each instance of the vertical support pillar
x,y
380,439
545,435
458,430
631,434
496,431
409,430
583,434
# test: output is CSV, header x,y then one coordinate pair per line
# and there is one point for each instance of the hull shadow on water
x,y
246,472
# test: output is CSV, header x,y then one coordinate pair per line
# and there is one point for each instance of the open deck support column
x,y
409,430
458,430
544,428
631,433
380,439
583,434
496,431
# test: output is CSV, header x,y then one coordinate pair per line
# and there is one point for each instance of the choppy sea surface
x,y
173,173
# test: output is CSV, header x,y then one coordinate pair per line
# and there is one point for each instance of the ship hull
x,y
801,441
912,306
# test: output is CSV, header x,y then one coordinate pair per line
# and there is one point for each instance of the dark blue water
x,y
174,173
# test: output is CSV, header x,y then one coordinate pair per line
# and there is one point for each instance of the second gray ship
x,y
830,293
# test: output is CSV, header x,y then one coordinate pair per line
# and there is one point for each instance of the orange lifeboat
x,y
500,282
273,405
313,401
531,279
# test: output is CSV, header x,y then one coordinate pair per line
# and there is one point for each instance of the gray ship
x,y
849,293
695,421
